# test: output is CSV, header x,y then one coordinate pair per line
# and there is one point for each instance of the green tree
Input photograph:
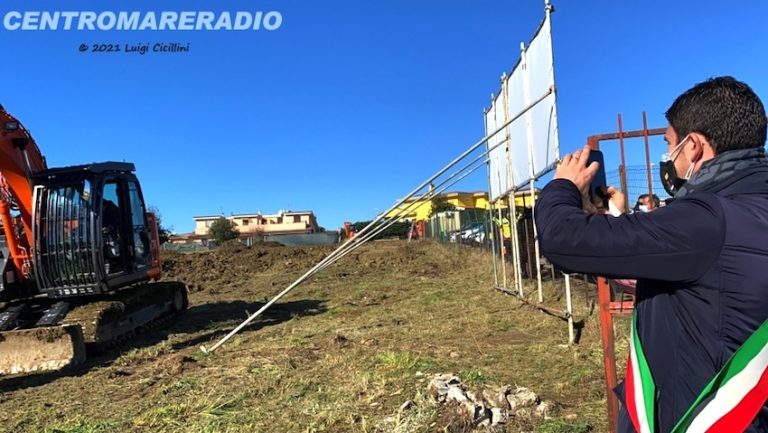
x,y
398,229
222,230
440,204
163,232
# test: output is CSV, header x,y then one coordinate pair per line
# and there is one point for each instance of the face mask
x,y
669,178
643,208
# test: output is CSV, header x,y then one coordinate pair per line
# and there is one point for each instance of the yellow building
x,y
283,222
418,208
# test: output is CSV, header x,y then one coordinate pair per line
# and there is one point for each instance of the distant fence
x,y
467,226
322,238
187,248
637,182
309,239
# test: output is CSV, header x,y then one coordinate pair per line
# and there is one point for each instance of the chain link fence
x,y
637,182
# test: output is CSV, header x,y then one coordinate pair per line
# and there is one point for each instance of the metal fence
x,y
467,226
308,239
637,182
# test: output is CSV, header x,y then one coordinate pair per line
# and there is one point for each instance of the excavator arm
x,y
20,159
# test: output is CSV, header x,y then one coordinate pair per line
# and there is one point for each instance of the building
x,y
418,207
281,223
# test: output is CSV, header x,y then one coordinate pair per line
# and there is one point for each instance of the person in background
x,y
506,235
646,203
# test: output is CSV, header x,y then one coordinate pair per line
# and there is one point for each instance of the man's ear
x,y
701,148
695,149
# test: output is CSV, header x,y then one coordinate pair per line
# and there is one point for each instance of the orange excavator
x,y
79,257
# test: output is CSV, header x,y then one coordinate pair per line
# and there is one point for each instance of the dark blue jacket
x,y
702,269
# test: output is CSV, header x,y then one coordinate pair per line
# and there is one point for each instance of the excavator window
x,y
141,249
111,224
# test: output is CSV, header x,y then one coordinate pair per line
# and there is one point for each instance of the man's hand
x,y
574,168
617,198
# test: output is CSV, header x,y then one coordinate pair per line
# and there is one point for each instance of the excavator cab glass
x,y
90,230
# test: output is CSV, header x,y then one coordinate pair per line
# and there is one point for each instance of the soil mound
x,y
233,262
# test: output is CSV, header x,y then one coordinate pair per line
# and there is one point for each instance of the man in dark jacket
x,y
698,348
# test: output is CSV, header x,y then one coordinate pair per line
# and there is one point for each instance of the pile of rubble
x,y
489,406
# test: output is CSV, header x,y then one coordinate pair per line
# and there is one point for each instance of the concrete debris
x,y
492,405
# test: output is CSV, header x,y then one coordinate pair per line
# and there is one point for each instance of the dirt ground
x,y
341,353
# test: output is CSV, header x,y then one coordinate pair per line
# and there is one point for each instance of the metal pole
x,y
490,206
548,10
647,156
531,166
623,171
502,249
529,259
569,308
515,243
510,196
493,243
518,254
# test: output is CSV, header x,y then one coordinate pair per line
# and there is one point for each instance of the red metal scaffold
x,y
608,306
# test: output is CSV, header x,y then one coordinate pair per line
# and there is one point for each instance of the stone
x,y
457,394
522,398
439,386
481,416
499,416
546,410
497,397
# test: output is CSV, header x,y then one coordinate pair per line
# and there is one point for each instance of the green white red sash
x,y
729,403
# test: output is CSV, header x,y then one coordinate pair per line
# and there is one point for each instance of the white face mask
x,y
672,156
643,208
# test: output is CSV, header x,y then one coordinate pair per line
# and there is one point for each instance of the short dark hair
x,y
656,201
724,110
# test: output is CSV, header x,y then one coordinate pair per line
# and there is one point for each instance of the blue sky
x,y
350,104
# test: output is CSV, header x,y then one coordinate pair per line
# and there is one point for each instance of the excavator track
x,y
95,326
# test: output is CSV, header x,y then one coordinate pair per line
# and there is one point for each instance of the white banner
x,y
533,141
498,174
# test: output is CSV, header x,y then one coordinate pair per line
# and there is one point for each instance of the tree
x,y
440,204
398,229
163,232
222,230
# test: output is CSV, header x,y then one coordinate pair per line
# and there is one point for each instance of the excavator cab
x,y
91,231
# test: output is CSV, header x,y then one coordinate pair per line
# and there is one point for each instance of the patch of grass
x,y
579,375
183,385
503,325
170,414
560,426
412,419
475,377
298,341
138,356
402,361
83,427
431,298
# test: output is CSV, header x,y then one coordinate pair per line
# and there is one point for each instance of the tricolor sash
x,y
729,403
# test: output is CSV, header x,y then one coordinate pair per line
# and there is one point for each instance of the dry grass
x,y
340,354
